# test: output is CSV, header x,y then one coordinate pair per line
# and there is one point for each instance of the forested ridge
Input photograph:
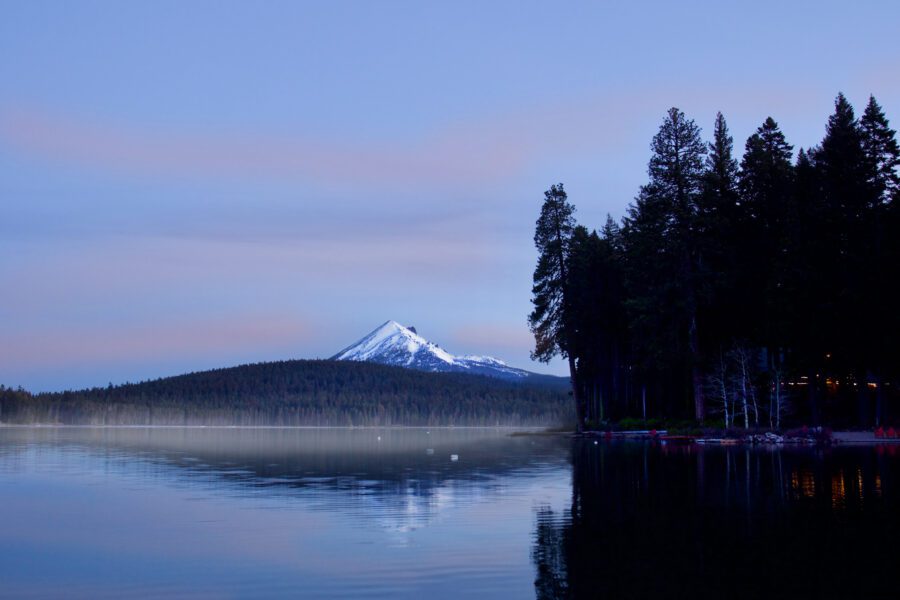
x,y
751,291
298,392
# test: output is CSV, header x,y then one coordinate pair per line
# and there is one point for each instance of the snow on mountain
x,y
394,344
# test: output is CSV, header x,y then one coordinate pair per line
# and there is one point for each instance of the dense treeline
x,y
298,392
752,291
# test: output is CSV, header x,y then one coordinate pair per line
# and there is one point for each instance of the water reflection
x,y
402,478
93,512
721,522
119,512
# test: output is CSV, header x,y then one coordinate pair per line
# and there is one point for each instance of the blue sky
x,y
186,185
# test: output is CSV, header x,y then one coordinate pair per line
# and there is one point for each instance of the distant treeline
x,y
298,392
750,292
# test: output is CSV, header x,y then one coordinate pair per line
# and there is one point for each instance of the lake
x,y
437,513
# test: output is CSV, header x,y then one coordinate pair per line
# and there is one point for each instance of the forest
x,y
298,393
744,291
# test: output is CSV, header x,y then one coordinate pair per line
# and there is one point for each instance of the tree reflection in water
x,y
722,522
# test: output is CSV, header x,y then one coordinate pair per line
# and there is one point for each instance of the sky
x,y
191,185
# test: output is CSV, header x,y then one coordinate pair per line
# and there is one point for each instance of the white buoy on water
x,y
454,457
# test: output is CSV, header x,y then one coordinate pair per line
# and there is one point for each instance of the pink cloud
x,y
73,346
490,147
487,148
117,269
443,158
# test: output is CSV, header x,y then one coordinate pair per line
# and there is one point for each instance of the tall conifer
x,y
552,321
662,224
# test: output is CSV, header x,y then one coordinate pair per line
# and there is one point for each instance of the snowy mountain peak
x,y
393,344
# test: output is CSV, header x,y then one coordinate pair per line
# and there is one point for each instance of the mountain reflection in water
x,y
259,513
137,512
406,471
722,522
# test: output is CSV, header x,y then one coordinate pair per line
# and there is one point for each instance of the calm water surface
x,y
318,513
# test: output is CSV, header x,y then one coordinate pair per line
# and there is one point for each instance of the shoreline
x,y
514,428
838,438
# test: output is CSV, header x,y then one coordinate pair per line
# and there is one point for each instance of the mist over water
x,y
273,512
231,512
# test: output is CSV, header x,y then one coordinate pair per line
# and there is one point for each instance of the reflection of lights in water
x,y
838,490
804,483
878,484
859,483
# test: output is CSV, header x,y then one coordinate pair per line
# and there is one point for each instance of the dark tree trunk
x,y
694,352
577,396
879,401
813,397
862,398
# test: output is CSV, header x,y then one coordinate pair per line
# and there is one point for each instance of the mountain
x,y
392,376
298,393
399,346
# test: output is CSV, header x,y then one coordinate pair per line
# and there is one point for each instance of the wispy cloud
x,y
69,346
485,148
444,157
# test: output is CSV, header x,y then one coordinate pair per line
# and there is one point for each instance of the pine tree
x,y
653,337
848,226
766,186
676,172
842,163
662,255
806,272
790,262
718,249
882,157
612,233
721,167
598,311
552,321
614,314
585,263
881,152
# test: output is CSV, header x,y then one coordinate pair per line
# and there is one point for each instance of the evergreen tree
x,y
881,153
612,233
650,293
585,263
718,248
615,317
721,167
806,275
848,226
842,164
777,272
766,186
882,157
663,249
598,312
552,321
